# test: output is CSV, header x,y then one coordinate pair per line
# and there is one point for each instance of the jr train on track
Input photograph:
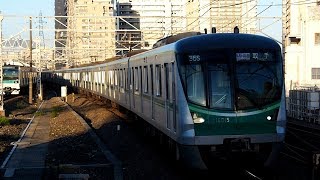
x,y
15,78
211,94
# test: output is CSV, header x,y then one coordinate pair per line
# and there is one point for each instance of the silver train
x,y
213,94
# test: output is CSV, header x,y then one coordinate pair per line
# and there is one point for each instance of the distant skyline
x,y
21,8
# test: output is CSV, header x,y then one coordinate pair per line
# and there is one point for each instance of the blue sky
x,y
33,8
27,7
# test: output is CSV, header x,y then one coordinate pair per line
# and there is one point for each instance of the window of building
x,y
317,38
315,73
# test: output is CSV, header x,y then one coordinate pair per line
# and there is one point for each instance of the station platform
x,y
27,159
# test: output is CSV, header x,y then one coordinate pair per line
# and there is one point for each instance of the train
x,y
15,78
210,95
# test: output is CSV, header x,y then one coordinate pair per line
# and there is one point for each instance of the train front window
x,y
195,84
10,74
219,83
258,79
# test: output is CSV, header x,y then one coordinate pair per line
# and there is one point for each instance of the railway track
x,y
11,98
301,143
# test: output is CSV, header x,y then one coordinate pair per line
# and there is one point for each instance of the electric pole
x,y
2,112
30,74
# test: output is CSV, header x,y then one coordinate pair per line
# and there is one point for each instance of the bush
x,y
4,121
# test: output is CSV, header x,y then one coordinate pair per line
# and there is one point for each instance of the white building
x,y
160,18
301,43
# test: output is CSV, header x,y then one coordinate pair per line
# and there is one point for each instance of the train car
x,y
11,79
212,95
16,77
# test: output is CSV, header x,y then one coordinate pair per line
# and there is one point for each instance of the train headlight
x,y
196,119
269,118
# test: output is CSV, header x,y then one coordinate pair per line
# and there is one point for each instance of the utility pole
x,y
30,74
39,58
2,112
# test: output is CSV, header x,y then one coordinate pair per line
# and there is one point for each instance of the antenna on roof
x,y
213,30
236,30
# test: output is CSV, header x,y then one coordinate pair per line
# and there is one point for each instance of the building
x,y
223,15
143,22
148,21
301,43
100,29
91,31
60,26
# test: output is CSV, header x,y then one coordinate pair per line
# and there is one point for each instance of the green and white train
x,y
210,95
15,78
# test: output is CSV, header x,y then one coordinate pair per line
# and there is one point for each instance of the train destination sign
x,y
265,56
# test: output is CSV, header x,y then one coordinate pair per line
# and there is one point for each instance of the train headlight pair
x,y
196,119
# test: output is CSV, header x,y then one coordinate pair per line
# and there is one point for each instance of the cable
x,y
296,3
257,15
240,17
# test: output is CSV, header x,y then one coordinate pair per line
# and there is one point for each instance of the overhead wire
x,y
257,15
240,16
295,3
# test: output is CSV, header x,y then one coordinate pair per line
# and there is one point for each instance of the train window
x,y
140,78
166,69
158,80
145,79
195,84
125,78
121,78
151,77
136,84
113,77
132,79
220,86
116,78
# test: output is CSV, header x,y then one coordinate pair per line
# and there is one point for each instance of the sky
x,y
19,8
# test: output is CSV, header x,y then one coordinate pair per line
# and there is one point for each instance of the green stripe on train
x,y
231,123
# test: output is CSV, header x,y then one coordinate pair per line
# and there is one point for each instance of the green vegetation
x,y
4,121
55,111
39,113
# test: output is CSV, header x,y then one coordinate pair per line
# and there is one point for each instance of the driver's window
x,y
220,86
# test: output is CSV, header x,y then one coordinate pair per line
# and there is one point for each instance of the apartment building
x,y
99,29
91,31
157,19
144,22
301,43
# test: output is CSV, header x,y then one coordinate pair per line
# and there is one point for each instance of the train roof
x,y
201,42
225,40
